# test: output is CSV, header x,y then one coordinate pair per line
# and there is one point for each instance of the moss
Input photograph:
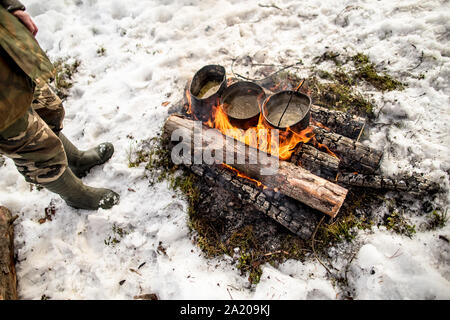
x,y
155,154
398,223
64,76
101,51
437,219
186,184
360,59
329,56
116,237
340,94
247,264
352,217
340,89
137,159
365,70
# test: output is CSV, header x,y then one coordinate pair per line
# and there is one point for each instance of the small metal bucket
x,y
297,115
206,87
242,103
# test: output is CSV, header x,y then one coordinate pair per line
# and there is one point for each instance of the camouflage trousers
x,y
32,141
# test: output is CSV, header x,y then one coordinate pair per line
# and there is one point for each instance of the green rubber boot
x,y
80,196
82,161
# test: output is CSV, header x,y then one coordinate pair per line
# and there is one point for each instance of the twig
x,y
276,252
132,270
420,60
230,294
314,250
361,132
348,266
395,254
269,76
269,6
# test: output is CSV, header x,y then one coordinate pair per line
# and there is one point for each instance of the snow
x,y
151,48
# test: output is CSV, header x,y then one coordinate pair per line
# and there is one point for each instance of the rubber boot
x,y
82,161
80,196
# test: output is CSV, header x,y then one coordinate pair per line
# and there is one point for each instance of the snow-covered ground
x,y
150,50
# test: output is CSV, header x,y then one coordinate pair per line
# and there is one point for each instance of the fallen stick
x,y
289,179
8,279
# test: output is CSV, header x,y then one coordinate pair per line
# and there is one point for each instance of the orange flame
x,y
261,136
189,104
239,174
320,125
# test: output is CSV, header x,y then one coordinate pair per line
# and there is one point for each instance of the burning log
x,y
353,155
8,280
289,179
318,162
292,214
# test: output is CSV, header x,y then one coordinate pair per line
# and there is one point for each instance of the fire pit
x,y
318,158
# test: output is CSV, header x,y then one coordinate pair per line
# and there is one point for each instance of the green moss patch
x,y
64,76
365,70
339,87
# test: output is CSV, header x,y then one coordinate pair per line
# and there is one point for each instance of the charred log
x,y
342,123
353,155
8,280
328,167
412,184
289,179
292,214
318,162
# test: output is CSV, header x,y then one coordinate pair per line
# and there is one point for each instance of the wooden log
x,y
316,161
342,123
412,184
290,213
352,154
8,279
328,167
289,179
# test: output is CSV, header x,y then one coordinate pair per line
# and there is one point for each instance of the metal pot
x,y
297,115
242,103
206,87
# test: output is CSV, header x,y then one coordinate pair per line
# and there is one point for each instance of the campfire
x,y
315,150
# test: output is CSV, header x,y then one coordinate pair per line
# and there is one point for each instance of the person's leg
x,y
39,155
50,108
35,149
